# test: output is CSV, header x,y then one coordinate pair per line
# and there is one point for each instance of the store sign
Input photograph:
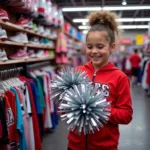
x,y
125,41
145,38
139,39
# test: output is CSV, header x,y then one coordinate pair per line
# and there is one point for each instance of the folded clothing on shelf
x,y
19,37
20,54
40,54
31,53
22,22
3,55
34,27
40,28
3,15
34,40
3,34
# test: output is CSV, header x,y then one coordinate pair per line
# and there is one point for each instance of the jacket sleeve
x,y
122,112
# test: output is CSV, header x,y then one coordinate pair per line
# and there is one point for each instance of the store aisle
x,y
134,136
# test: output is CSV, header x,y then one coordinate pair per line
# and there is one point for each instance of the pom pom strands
x,y
66,80
84,109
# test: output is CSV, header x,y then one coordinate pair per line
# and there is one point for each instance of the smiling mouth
x,y
95,58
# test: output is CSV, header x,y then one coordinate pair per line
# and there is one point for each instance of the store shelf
x,y
10,26
72,37
9,43
39,34
13,27
26,60
38,46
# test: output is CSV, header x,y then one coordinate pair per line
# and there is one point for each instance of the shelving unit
x,y
75,39
39,46
26,60
12,27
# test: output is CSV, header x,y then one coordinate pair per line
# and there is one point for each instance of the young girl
x,y
100,42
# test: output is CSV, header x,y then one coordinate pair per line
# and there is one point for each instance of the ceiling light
x,y
83,23
111,8
116,8
133,27
124,2
85,31
80,20
121,27
118,20
84,27
72,9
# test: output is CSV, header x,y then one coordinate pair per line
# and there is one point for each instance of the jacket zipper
x,y
94,77
86,136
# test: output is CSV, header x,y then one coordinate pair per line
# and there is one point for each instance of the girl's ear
x,y
112,47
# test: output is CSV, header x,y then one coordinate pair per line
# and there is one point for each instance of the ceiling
x,y
123,14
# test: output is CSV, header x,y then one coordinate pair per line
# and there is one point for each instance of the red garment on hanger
x,y
13,134
37,140
148,74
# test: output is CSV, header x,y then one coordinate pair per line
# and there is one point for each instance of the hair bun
x,y
104,18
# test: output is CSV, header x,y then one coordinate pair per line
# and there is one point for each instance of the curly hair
x,y
104,21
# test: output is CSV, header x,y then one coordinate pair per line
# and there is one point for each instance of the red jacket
x,y
117,91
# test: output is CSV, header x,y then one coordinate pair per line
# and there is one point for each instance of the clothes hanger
x,y
3,86
32,74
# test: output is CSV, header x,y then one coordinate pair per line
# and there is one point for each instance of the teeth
x,y
96,56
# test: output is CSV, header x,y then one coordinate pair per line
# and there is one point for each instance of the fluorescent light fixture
x,y
113,8
80,20
133,27
121,27
141,19
85,31
118,20
83,23
84,27
72,9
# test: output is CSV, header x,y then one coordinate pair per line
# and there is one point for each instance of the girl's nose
x,y
94,50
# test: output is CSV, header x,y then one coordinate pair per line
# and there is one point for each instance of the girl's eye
x,y
100,46
89,47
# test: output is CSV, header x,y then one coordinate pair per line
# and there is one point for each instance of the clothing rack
x,y
4,74
146,54
38,65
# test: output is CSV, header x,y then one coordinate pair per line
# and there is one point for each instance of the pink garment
x,y
61,43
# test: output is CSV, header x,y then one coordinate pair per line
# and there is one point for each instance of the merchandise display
x,y
3,55
19,37
22,22
20,54
3,15
30,33
23,96
3,34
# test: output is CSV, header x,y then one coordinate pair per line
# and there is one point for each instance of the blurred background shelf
x,y
26,60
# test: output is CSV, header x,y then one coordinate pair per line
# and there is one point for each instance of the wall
x,y
132,33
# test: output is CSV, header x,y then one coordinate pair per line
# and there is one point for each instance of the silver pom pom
x,y
66,80
84,109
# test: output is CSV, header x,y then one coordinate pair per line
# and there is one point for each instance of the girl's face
x,y
98,48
